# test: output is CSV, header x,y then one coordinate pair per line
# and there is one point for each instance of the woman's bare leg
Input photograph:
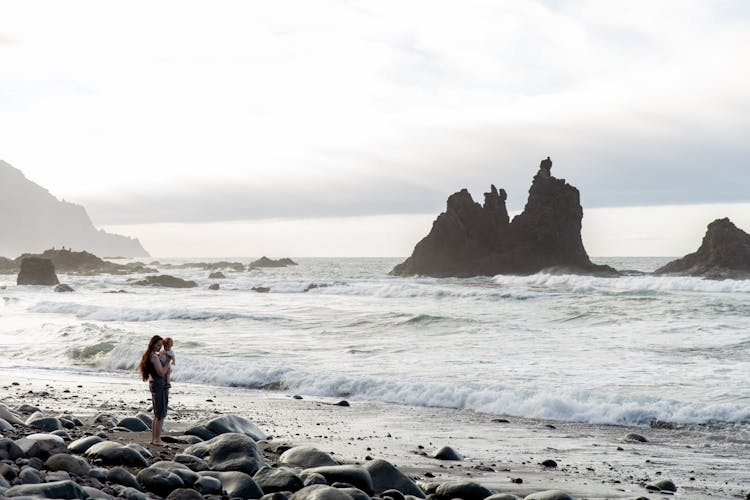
x,y
156,427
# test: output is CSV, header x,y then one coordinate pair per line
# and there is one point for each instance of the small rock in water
x,y
343,402
296,396
636,438
500,420
662,485
549,463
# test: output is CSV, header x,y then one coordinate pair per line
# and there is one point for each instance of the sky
x,y
339,128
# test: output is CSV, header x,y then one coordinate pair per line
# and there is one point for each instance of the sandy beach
x,y
502,454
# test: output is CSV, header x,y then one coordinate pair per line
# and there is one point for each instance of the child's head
x,y
168,342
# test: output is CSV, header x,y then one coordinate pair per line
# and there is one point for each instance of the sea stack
x,y
469,239
37,271
723,254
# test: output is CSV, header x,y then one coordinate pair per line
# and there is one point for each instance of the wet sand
x,y
501,453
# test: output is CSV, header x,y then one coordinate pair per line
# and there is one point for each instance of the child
x,y
166,356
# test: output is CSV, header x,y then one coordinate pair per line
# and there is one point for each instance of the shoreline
x,y
593,461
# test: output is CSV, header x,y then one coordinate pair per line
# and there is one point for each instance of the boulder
x,y
56,489
188,476
724,254
159,481
470,239
165,280
9,450
30,475
10,416
447,453
121,475
350,474
44,424
320,492
69,463
266,262
466,490
236,424
385,476
134,424
201,432
236,484
549,495
129,493
37,271
184,494
310,478
111,453
216,275
662,485
229,452
207,485
79,446
214,286
62,434
97,494
306,457
195,464
140,449
41,446
278,479
62,288
145,418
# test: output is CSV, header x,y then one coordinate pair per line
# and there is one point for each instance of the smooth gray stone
x,y
503,496
320,492
229,452
188,476
182,439
235,424
9,450
145,418
184,494
133,424
633,437
207,485
41,445
30,475
236,484
3,484
277,495
10,416
385,476
194,463
201,432
306,457
111,453
5,425
58,489
129,493
27,409
355,493
63,434
79,446
549,495
466,490
447,453
99,473
45,424
662,485
67,423
272,480
351,474
140,449
120,475
107,419
69,463
159,481
97,494
310,478
57,475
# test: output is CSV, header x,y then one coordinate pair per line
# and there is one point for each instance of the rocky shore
x,y
69,439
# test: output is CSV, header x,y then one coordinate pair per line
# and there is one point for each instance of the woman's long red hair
x,y
145,359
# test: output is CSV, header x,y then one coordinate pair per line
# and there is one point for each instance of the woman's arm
x,y
160,370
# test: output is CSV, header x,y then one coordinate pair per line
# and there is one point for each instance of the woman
x,y
156,373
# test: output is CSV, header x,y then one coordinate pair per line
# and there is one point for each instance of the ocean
x,y
637,350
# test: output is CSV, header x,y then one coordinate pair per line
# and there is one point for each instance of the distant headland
x,y
32,220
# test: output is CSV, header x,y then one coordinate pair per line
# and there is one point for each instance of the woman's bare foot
x,y
159,443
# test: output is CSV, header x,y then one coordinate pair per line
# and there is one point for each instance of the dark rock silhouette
x,y
266,262
37,271
723,254
31,219
165,280
71,262
469,239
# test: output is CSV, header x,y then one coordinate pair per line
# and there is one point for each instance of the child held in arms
x,y
166,356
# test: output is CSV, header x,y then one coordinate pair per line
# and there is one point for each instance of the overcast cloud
x,y
198,111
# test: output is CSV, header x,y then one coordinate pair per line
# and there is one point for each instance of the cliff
x,y
31,220
469,239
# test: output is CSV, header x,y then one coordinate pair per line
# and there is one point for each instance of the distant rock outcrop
x,y
70,262
31,219
723,254
266,262
165,280
469,239
37,271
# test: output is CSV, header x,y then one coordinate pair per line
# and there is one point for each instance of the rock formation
x,y
469,239
37,271
165,280
31,219
266,262
70,262
723,254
